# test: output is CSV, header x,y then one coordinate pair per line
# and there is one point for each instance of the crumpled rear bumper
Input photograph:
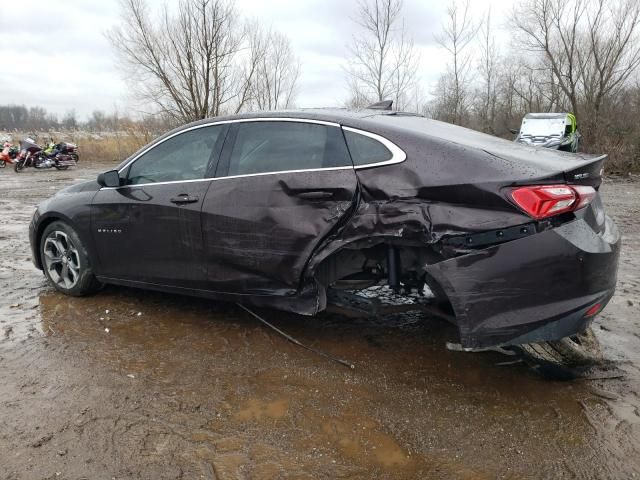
x,y
531,289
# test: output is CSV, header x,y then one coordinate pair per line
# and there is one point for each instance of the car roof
x,y
336,115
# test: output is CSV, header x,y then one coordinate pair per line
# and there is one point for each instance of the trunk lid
x,y
588,172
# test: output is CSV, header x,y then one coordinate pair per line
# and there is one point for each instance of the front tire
x,y
65,261
18,166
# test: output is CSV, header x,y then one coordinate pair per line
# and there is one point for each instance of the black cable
x,y
293,340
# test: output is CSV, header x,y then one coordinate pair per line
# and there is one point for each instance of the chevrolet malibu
x,y
282,209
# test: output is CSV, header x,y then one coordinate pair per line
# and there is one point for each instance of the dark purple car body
x,y
277,209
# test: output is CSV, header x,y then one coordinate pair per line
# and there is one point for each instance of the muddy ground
x,y
131,384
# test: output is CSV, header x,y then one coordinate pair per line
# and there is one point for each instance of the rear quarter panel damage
x,y
424,200
446,189
442,189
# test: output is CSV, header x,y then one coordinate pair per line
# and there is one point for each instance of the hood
x,y
89,186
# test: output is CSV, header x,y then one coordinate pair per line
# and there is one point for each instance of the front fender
x,y
73,208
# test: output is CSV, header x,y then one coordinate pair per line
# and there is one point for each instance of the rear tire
x,y
563,359
65,261
62,168
580,349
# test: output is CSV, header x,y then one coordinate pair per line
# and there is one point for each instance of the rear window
x,y
365,150
263,147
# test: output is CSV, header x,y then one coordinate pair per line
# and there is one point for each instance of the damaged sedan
x,y
297,210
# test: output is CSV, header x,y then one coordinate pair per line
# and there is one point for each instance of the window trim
x,y
127,166
233,138
398,155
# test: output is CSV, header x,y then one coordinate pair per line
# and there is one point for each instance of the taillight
x,y
593,310
585,195
543,201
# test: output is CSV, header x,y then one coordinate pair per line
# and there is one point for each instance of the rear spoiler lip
x,y
589,172
586,170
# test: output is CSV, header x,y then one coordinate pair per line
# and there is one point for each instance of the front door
x,y
280,188
149,229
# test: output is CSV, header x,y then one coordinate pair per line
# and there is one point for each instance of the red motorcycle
x,y
8,154
32,155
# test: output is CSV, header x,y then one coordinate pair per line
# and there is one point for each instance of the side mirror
x,y
514,131
109,179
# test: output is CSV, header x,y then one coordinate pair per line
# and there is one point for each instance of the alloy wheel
x,y
61,259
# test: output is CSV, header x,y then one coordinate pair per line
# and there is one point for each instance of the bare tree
x,y
457,34
592,47
195,63
551,27
276,70
614,51
488,64
70,121
383,62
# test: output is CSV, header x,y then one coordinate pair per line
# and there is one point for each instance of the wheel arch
x,y
321,271
46,220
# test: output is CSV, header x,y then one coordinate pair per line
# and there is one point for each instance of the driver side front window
x,y
183,157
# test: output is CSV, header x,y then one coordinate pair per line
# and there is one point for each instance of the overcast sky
x,y
55,54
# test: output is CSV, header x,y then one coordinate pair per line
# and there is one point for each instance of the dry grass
x,y
107,148
110,150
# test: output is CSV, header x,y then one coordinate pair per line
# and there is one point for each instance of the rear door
x,y
149,229
280,188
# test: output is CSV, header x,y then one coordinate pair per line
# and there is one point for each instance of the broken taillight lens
x,y
585,195
543,201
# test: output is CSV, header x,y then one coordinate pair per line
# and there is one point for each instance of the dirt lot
x,y
131,384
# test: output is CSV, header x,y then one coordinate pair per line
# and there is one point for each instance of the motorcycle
x,y
63,148
8,154
32,155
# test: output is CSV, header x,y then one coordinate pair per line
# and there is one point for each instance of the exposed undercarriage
x,y
381,279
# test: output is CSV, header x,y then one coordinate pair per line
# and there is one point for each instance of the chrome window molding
x,y
224,122
230,177
397,154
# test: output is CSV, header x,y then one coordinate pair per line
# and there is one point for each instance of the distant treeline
x,y
21,118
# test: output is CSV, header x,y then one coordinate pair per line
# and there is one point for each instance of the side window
x,y
568,130
183,157
273,146
365,150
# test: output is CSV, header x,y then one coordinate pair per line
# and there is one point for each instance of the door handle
x,y
316,195
184,198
